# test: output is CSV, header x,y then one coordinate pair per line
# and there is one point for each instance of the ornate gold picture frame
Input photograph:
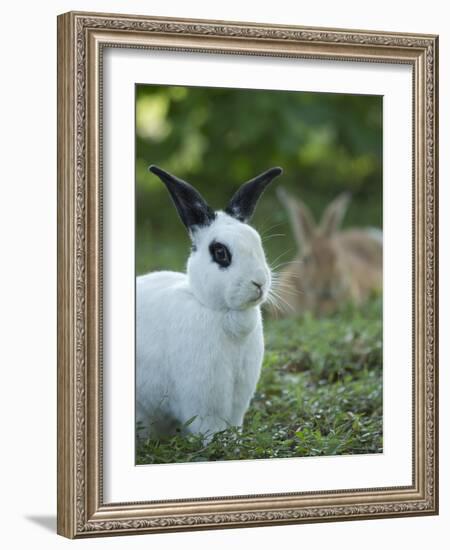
x,y
82,39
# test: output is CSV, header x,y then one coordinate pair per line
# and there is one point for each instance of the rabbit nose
x,y
259,287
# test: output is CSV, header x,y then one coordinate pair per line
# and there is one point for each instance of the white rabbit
x,y
199,334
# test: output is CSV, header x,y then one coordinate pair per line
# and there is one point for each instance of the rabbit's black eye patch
x,y
220,254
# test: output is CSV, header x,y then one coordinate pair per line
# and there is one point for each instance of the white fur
x,y
199,335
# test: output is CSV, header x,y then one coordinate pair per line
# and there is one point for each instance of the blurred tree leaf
x,y
217,138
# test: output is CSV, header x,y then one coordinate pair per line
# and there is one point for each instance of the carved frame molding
x,y
81,39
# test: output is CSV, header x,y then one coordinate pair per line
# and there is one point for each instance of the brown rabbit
x,y
332,266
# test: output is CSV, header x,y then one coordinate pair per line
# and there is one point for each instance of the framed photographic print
x,y
247,274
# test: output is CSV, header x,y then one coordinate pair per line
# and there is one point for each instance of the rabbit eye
x,y
220,254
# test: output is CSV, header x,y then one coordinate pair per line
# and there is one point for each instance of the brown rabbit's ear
x,y
334,214
301,218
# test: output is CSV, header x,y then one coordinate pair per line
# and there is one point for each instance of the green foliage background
x,y
320,390
217,138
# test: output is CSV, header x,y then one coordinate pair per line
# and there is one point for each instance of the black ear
x,y
191,206
243,202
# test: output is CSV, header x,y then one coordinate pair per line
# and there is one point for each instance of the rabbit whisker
x,y
277,283
273,307
272,298
276,307
287,287
279,257
266,230
287,290
280,283
291,275
264,239
280,268
280,299
289,262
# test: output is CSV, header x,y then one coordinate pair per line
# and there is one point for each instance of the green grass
x,y
320,393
